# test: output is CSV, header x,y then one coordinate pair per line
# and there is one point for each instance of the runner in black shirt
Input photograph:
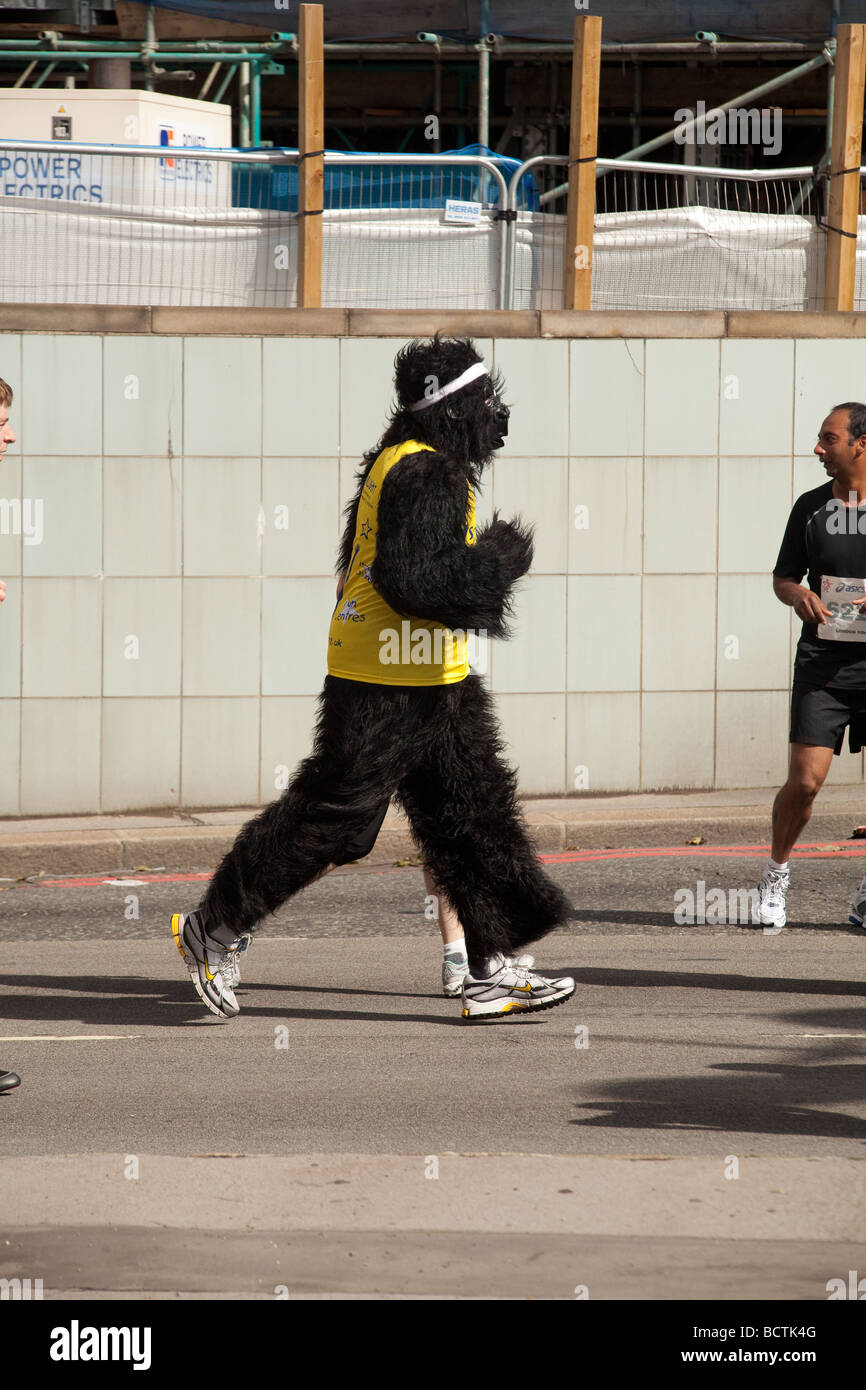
x,y
825,539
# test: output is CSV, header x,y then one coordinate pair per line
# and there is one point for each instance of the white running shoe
x,y
232,967
513,989
772,894
454,975
207,962
858,906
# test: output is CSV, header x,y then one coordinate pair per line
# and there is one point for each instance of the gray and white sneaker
x,y
208,962
232,967
772,895
453,975
512,989
857,914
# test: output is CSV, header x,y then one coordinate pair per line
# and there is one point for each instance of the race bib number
x,y
842,596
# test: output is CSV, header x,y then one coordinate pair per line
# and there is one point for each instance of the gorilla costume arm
x,y
423,566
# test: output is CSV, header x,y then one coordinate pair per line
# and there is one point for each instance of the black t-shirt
x,y
824,536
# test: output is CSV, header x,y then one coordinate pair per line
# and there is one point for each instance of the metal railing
x,y
382,183
658,204
87,223
194,226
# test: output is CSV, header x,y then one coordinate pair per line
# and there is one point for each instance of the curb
x,y
199,848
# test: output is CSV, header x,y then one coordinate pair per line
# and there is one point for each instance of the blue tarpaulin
x,y
384,185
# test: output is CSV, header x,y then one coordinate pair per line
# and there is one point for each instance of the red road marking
x,y
95,882
824,850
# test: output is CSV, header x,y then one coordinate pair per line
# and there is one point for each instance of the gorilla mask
x,y
451,399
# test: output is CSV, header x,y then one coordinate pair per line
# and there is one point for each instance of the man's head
x,y
450,398
841,443
7,437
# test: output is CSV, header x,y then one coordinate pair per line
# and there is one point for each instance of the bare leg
x,y
447,919
808,767
461,801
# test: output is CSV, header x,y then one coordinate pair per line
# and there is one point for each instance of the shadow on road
x,y
129,999
629,917
740,1097
689,979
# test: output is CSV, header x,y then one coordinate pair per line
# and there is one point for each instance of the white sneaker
x,y
772,894
232,966
858,906
513,989
454,975
208,963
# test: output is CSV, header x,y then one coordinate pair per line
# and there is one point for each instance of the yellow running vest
x,y
368,640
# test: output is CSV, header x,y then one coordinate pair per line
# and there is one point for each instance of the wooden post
x,y
583,144
311,137
845,150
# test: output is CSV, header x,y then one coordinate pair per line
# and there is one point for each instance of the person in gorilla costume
x,y
401,715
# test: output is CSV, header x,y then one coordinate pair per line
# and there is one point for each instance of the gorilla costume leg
x,y
461,801
438,749
324,815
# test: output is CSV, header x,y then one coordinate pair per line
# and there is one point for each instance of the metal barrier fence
x,y
88,224
91,224
387,244
673,236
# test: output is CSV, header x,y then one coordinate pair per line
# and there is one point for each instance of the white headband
x,y
477,369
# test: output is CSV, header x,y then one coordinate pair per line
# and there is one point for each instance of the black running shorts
x,y
821,716
364,841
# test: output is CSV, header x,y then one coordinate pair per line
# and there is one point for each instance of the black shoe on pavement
x,y
9,1079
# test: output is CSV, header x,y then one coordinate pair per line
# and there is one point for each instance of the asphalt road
x,y
691,1124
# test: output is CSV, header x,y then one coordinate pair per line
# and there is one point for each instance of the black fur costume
x,y
436,749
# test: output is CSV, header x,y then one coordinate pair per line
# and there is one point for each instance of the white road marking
x,y
822,1035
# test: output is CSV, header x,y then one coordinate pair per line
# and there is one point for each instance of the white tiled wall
x,y
603,742
140,753
69,490
221,521
682,397
222,397
142,401
142,516
10,759
826,372
220,751
756,416
164,642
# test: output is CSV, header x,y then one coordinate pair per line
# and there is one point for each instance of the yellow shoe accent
x,y
513,1004
175,931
